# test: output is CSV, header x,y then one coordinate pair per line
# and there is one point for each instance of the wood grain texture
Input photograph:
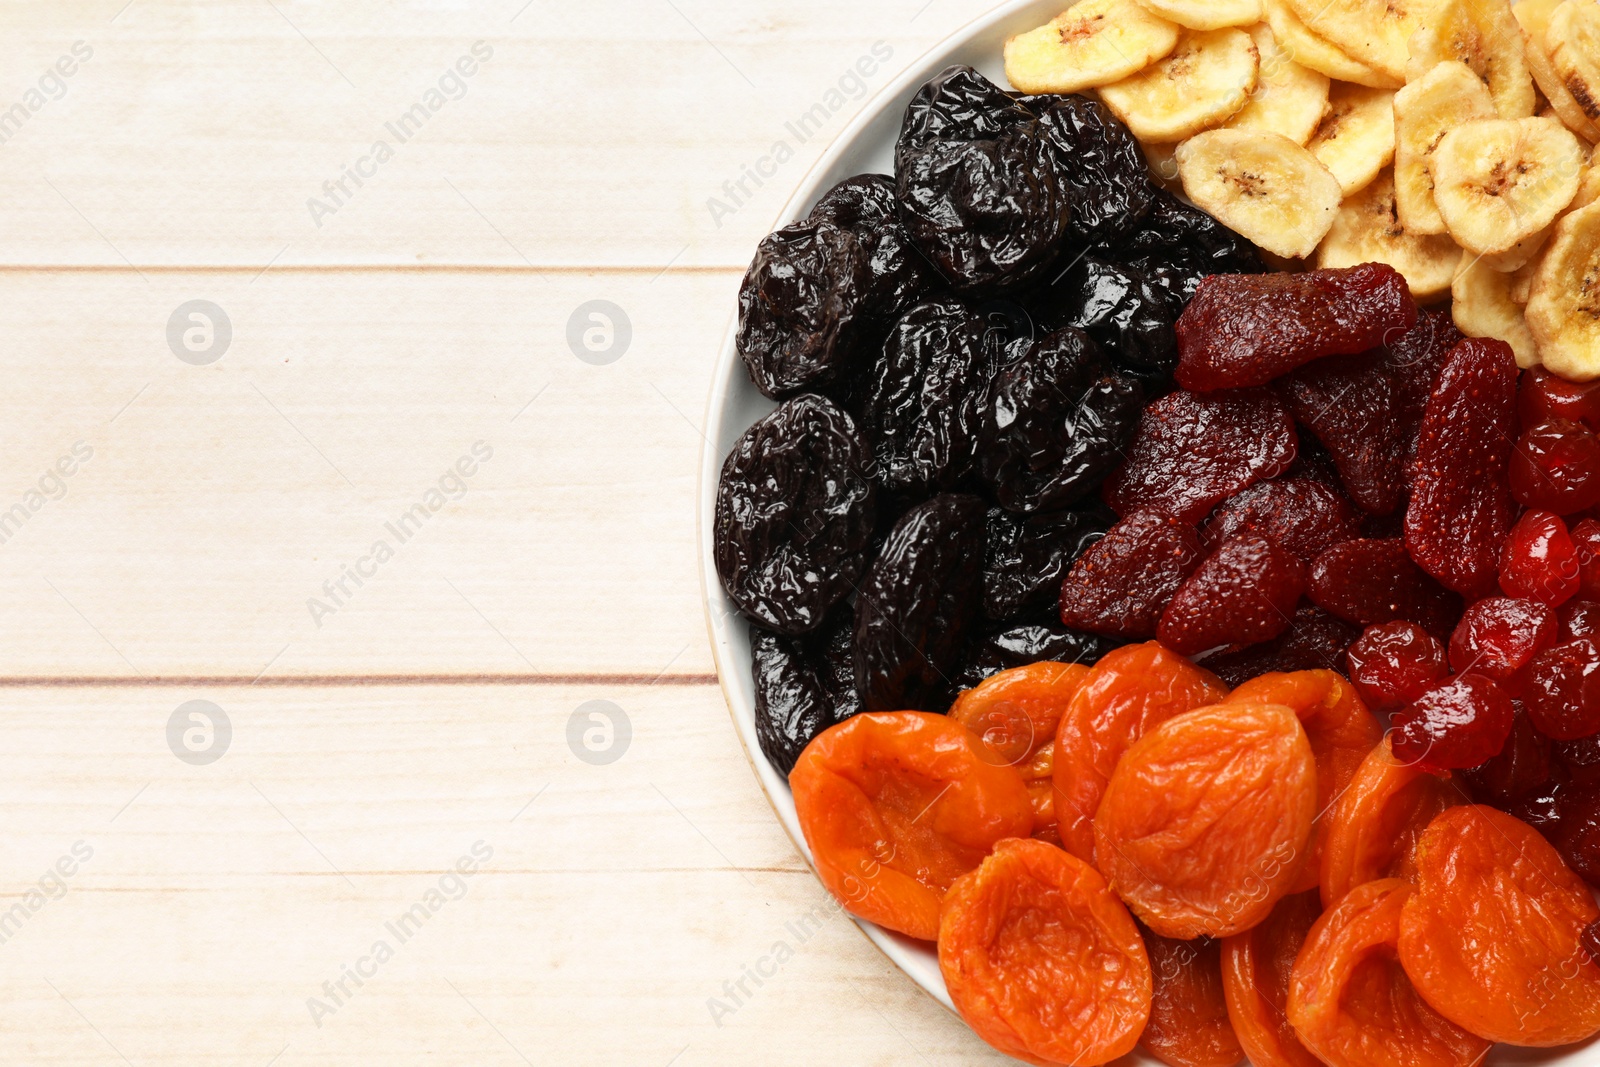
x,y
624,905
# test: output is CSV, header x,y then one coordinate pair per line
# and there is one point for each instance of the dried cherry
x,y
1586,539
803,685
1523,766
1370,582
1579,618
1304,516
1189,1024
1456,725
1242,594
1539,561
794,516
1373,829
1560,687
1395,663
1556,467
1121,585
1544,396
1498,635
1256,968
1580,759
1314,640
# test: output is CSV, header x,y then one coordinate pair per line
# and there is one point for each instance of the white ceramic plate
x,y
867,147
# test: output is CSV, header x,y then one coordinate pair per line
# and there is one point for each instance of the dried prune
x,y
928,398
1058,423
1027,643
1104,168
804,312
1129,692
1372,831
1560,687
1354,408
1522,766
1350,1001
866,206
803,685
1461,508
1013,941
1455,725
1490,937
1193,452
795,515
978,177
1117,306
1370,582
1244,330
1395,663
896,806
1256,967
1304,516
1498,635
1121,585
1556,467
1189,1024
1027,556
1242,594
1177,245
1314,641
1539,561
917,605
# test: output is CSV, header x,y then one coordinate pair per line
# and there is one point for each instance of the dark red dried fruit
x,y
1121,585
1560,687
1243,594
1415,360
1242,329
1580,759
1521,767
1304,516
1544,396
1578,836
1539,561
1314,641
1353,407
1193,452
1498,635
1580,618
1586,539
1461,506
1541,810
1556,467
1395,663
1591,940
1370,582
1460,724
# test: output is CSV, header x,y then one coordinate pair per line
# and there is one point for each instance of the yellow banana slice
x,y
1482,305
1289,99
1263,186
1317,53
1588,188
1095,43
1447,96
1573,40
1163,162
1206,14
1522,280
1368,230
1534,16
1520,254
1205,81
1356,138
1564,304
1376,33
1500,181
1485,36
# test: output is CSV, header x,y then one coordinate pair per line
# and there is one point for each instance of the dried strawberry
x,y
1498,635
1193,452
1556,467
1560,687
1120,586
1461,506
1244,593
1521,767
1370,582
1544,396
1580,759
1395,663
1415,360
1539,561
1586,539
1304,516
1460,724
1353,408
1314,641
1580,618
1248,329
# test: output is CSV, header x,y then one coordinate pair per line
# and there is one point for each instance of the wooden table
x,y
189,516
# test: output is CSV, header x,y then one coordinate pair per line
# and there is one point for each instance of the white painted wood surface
x,y
376,746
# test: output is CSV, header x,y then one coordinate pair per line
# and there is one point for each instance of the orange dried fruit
x,y
1256,967
1350,1002
1130,691
1189,1024
1206,821
1491,937
1372,831
895,806
1342,733
1041,960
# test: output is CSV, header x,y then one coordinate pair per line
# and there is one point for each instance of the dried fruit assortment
x,y
1206,659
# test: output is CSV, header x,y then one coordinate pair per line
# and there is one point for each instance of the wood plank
x,y
608,913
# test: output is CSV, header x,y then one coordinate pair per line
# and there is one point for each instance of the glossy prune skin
x,y
927,400
1106,170
803,685
1026,557
795,515
804,310
918,604
1059,420
867,207
1028,643
1127,315
979,183
1176,246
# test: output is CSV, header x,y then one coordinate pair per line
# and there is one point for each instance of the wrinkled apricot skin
x,y
1127,693
1189,1024
1207,819
1372,831
1256,967
895,806
1491,937
1350,1001
1014,715
1041,960
1342,732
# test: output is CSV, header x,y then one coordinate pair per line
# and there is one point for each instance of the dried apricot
x,y
1350,1001
1342,732
1189,1024
1014,715
1256,966
1127,693
1041,960
897,805
1491,936
1372,830
1205,823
